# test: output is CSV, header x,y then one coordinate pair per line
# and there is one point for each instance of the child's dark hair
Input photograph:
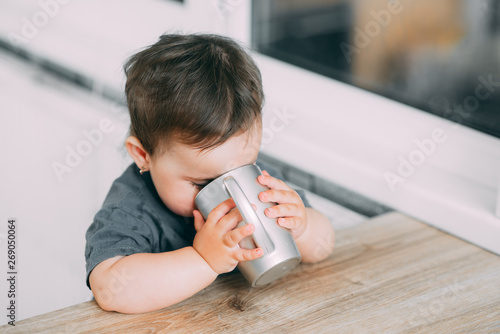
x,y
198,90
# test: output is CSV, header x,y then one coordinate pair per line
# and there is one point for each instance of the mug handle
x,y
249,215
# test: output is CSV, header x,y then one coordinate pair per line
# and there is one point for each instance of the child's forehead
x,y
208,164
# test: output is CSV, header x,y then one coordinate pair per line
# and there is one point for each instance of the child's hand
x,y
290,211
217,241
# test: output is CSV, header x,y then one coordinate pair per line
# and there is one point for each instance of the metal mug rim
x,y
221,177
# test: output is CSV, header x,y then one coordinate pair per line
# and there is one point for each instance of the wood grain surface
x,y
391,274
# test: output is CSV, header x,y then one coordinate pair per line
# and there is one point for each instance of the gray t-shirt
x,y
133,219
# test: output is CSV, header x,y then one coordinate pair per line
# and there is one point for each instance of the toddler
x,y
195,107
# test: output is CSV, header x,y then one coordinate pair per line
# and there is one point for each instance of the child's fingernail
x,y
259,252
269,211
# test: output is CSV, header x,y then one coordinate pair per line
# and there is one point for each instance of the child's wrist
x,y
204,262
304,239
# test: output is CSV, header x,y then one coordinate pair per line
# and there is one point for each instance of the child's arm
x,y
318,239
146,282
311,230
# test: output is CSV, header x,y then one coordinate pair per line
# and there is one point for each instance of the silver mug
x,y
281,254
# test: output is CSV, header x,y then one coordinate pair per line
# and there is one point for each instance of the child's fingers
x,y
283,210
198,220
248,254
272,182
220,211
233,237
229,221
290,223
280,196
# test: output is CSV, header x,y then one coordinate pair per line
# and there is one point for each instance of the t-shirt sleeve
x,y
115,232
277,174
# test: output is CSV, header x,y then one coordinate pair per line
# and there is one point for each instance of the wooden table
x,y
390,274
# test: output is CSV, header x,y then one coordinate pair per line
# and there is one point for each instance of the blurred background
x,y
408,51
381,105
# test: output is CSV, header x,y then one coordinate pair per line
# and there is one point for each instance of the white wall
x,y
38,123
94,37
41,117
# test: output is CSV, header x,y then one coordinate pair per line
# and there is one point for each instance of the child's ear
x,y
137,152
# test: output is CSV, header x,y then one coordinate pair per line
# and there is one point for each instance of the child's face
x,y
178,173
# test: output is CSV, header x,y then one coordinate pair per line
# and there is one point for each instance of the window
x,y
438,56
